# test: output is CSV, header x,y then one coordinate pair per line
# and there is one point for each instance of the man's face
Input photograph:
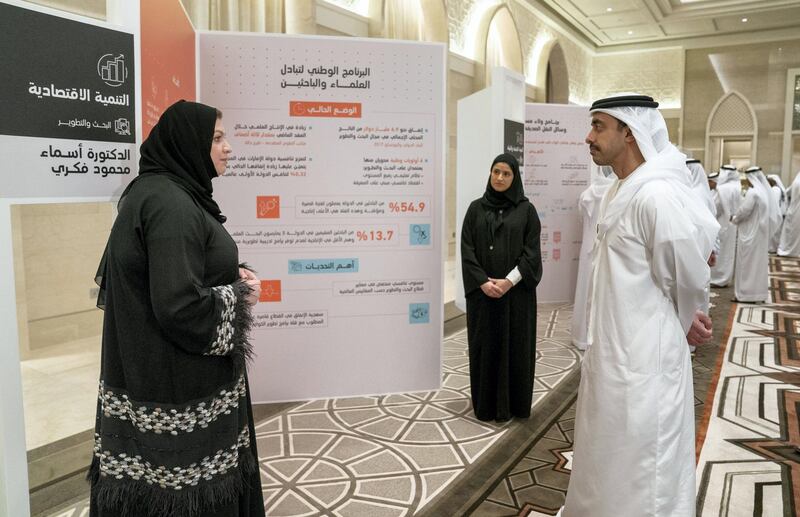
x,y
712,184
606,139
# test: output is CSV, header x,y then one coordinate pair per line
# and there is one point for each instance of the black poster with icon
x,y
65,79
514,140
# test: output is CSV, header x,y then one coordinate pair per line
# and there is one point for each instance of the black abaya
x,y
174,433
501,332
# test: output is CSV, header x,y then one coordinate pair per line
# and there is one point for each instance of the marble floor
x,y
391,455
59,391
449,280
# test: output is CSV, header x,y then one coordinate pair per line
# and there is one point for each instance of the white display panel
x,y
556,172
334,195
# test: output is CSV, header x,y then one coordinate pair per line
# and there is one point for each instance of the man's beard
x,y
597,158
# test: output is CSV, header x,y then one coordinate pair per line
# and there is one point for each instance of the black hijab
x,y
495,201
179,146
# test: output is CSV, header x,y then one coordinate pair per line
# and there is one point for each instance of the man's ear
x,y
629,135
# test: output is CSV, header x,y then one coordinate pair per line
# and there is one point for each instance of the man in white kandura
x,y
634,425
589,208
790,235
727,197
751,283
699,183
775,217
779,195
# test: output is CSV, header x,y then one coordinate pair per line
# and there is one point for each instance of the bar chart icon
x,y
112,69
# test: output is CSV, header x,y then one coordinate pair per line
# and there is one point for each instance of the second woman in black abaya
x,y
501,266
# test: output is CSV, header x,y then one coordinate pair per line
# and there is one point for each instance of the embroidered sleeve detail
x,y
120,466
223,341
158,420
231,337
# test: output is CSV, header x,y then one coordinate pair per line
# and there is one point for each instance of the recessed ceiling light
x,y
609,9
744,20
630,32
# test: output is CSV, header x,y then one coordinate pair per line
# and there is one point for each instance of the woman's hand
x,y
253,283
504,284
491,290
496,288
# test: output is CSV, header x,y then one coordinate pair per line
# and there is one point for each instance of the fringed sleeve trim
x,y
233,329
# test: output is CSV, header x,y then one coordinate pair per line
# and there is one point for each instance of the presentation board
x,y
556,172
334,195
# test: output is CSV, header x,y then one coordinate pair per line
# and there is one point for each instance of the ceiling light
x,y
609,9
630,32
744,20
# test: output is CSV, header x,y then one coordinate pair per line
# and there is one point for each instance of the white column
x,y
13,456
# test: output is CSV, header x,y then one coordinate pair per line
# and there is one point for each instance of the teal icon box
x,y
419,234
419,313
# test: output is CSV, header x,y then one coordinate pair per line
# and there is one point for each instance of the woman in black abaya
x,y
501,266
174,429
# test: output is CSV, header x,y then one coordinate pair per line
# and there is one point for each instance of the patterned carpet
x,y
747,394
425,454
749,463
396,455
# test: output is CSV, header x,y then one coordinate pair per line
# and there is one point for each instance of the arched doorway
x,y
547,70
502,43
497,44
731,133
557,77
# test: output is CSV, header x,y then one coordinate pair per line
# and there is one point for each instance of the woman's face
x,y
502,176
220,148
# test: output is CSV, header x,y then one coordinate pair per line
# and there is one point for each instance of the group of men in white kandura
x,y
764,220
651,248
753,224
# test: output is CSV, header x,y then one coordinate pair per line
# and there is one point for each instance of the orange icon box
x,y
268,207
270,291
